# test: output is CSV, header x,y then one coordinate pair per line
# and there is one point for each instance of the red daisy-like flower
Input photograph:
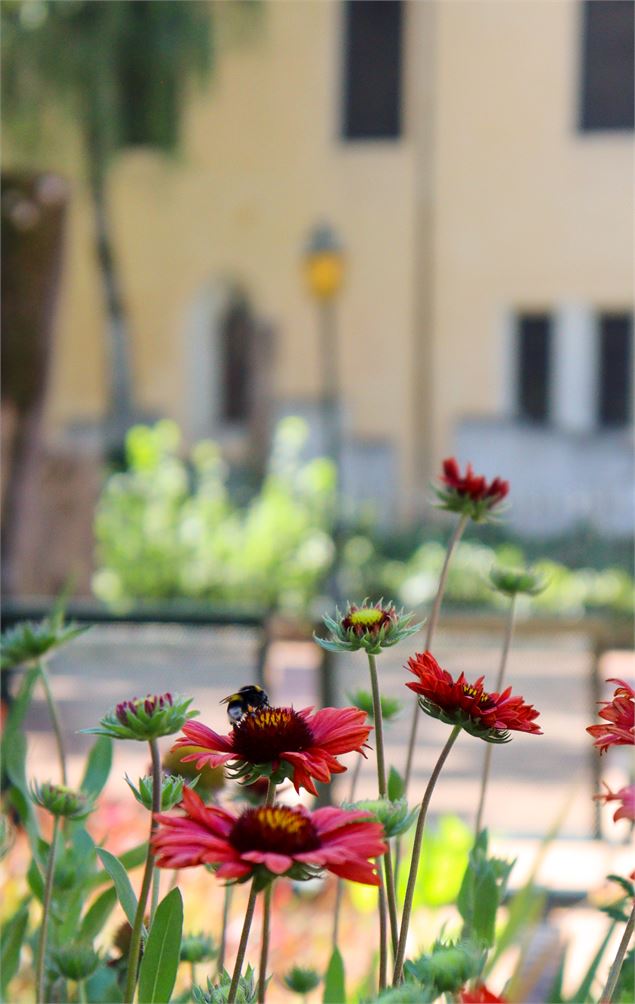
x,y
281,743
470,493
620,714
270,840
488,716
480,995
625,795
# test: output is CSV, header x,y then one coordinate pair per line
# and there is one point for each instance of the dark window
x,y
615,379
534,367
236,351
608,65
372,69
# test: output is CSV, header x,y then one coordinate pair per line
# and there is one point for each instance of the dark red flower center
x,y
275,828
150,704
262,736
367,620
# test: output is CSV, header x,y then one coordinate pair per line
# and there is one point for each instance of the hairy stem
x,y
46,910
383,932
137,927
416,854
614,974
264,948
55,719
242,947
489,747
430,629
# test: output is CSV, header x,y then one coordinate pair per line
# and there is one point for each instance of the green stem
x,y
193,973
264,948
156,891
383,793
271,792
242,947
223,933
614,974
137,927
55,719
46,910
431,628
416,854
383,932
489,747
81,992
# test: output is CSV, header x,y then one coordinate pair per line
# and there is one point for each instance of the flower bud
x,y
302,981
62,801
218,993
145,718
171,790
197,948
447,967
29,641
367,627
76,961
512,581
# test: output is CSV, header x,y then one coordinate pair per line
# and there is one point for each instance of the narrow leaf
x,y
584,990
117,872
396,785
97,915
11,938
334,981
129,859
157,975
97,767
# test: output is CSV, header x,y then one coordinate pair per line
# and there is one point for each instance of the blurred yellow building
x,y
476,160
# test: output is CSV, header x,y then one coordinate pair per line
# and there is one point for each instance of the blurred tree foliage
x,y
119,73
169,528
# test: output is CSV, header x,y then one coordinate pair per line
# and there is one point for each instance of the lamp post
x,y
324,264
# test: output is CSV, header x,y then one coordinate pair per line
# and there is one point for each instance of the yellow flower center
x,y
473,692
366,616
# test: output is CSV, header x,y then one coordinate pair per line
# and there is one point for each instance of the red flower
x,y
281,743
276,839
480,995
625,795
469,493
488,716
620,713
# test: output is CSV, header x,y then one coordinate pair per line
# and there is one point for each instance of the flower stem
x,y
383,793
242,947
223,934
193,973
383,932
614,973
271,792
55,719
137,927
489,747
340,882
264,948
46,909
81,992
431,628
416,854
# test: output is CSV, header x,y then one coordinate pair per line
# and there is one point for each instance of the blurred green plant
x,y
168,528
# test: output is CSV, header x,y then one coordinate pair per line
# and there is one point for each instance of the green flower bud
x,y
145,718
367,627
62,801
197,948
171,790
28,641
362,699
512,581
393,816
218,993
447,967
302,981
75,962
209,779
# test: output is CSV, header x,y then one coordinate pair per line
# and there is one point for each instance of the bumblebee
x,y
245,701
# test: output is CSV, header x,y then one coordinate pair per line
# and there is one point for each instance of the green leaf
x,y
97,767
103,986
14,749
334,980
129,859
117,872
11,938
35,881
584,990
486,903
161,955
396,785
97,915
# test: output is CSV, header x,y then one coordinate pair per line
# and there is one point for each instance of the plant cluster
x,y
75,884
